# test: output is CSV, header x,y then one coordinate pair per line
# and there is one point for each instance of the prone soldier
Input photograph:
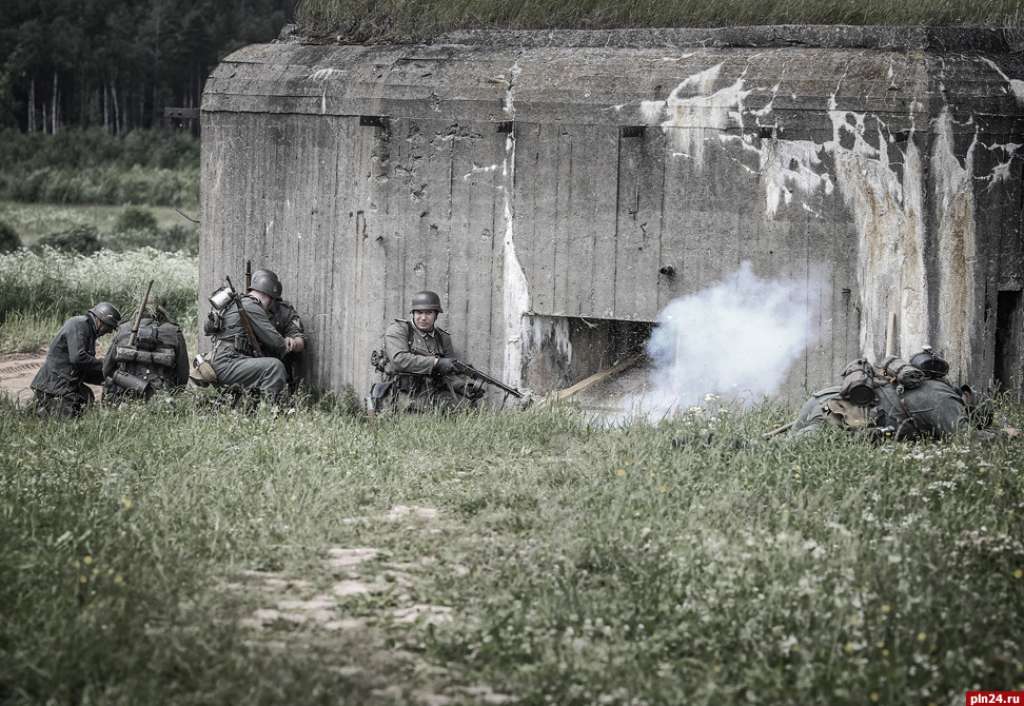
x,y
60,385
906,401
419,366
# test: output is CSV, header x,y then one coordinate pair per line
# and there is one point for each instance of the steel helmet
x,y
932,365
107,313
426,301
267,282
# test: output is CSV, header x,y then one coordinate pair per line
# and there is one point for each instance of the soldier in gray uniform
x,y
235,360
60,385
288,323
418,363
157,361
906,401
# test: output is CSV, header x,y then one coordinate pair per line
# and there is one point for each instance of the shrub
x,y
135,218
83,240
9,240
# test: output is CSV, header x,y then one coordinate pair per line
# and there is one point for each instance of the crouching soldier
x,y
60,385
288,323
155,358
905,401
418,364
247,349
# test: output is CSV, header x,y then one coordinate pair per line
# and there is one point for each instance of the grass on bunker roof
x,y
175,554
398,20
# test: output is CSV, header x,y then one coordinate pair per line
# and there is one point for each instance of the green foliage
x,y
174,239
32,221
133,218
107,185
364,20
61,284
75,149
83,240
582,565
9,239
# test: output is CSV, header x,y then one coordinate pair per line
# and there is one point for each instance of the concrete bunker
x,y
540,180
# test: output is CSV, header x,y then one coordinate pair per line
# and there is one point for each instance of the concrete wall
x,y
533,175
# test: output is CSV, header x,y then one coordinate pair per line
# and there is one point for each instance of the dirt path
x,y
16,373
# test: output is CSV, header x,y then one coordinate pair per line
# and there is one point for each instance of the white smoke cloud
x,y
736,340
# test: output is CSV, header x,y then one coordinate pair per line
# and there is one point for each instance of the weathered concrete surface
x,y
599,175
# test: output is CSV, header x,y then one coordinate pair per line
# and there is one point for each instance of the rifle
x,y
466,369
243,316
248,275
138,317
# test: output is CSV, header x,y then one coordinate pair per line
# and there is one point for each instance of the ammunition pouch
x,y
148,338
239,343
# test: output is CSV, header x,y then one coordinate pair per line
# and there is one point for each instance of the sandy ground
x,y
16,373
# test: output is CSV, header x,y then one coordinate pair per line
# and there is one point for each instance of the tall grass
x,y
54,284
583,565
423,19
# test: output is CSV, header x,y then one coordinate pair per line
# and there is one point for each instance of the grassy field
x,y
363,20
38,291
177,554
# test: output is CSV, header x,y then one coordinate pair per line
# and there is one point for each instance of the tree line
x,y
118,63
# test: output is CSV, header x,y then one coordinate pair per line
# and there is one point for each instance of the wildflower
x,y
83,579
620,472
874,696
921,637
119,579
886,608
126,503
664,489
87,560
1018,573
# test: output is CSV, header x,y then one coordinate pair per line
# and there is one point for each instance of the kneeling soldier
x,y
288,323
157,358
419,362
60,385
247,349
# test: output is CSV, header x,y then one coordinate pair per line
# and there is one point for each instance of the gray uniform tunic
x,y
70,363
412,355
289,324
234,359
